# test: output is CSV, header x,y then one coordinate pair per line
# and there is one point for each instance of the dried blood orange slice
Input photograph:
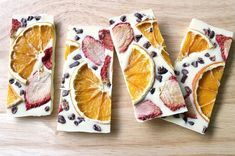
x,y
139,73
27,48
70,47
194,42
12,98
205,88
89,95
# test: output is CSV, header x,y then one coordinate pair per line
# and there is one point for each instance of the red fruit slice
x,y
93,50
224,44
105,68
38,92
147,110
124,35
105,38
47,58
171,94
15,26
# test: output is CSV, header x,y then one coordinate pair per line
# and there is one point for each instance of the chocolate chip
x,y
71,116
77,57
195,64
212,58
66,75
152,90
24,22
111,22
184,71
109,84
138,20
18,84
162,70
176,116
138,15
204,130
153,54
94,67
37,18
207,55
29,18
185,119
147,45
63,80
137,38
14,109
76,63
76,123
65,93
61,119
96,127
79,31
186,64
184,78
123,18
200,60
11,81
191,123
80,118
211,34
77,38
176,72
22,92
47,108
187,90
65,105
159,78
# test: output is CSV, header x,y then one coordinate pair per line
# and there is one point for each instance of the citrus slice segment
x,y
139,73
194,42
27,47
70,47
205,88
89,95
12,98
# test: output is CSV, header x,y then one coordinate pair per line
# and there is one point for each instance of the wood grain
x,y
38,136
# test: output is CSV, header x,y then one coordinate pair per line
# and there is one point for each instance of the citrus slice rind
x,y
89,95
12,98
205,88
70,47
139,73
28,48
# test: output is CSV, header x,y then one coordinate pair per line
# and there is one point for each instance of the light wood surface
x,y
38,136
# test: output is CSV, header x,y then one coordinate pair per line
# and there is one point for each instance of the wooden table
x,y
38,136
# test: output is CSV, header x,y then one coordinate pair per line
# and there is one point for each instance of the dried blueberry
x,y
65,93
77,38
184,71
147,45
47,108
11,81
65,105
71,116
200,60
76,63
37,18
212,58
207,55
159,78
14,109
191,123
96,127
94,67
152,90
195,64
138,15
123,18
22,92
111,22
162,70
18,84
61,119
153,54
29,18
184,78
137,38
176,72
66,75
77,57
186,64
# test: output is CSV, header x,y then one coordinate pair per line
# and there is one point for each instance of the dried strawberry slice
x,y
224,44
15,26
47,58
147,110
105,68
124,35
105,38
171,94
93,50
38,91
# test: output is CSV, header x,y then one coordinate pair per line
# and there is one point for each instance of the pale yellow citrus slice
x,y
139,73
12,97
89,95
205,88
27,47
70,47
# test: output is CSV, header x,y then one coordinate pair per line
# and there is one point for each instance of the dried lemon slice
x,y
139,73
12,98
89,95
70,47
27,47
205,88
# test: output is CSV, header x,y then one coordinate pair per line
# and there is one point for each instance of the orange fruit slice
x,y
12,98
27,47
193,42
70,47
205,88
89,95
139,73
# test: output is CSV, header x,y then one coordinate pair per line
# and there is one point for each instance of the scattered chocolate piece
x,y
138,15
152,90
137,38
29,18
200,60
187,90
77,57
11,81
186,64
214,45
65,93
207,55
212,58
176,116
14,109
138,20
96,127
66,75
123,18
80,118
111,22
109,84
47,108
63,80
191,123
195,64
37,18
176,72
184,71
204,130
65,105
147,45
79,31
61,119
18,84
162,70
71,116
211,34
94,67
77,38
76,123
153,54
159,78
22,92
184,78
76,63
23,22
185,119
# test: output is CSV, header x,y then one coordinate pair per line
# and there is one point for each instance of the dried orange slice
x,y
194,42
70,47
27,48
89,95
205,88
12,98
139,73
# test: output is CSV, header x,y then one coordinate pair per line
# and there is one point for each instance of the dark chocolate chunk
x,y
159,78
47,108
162,70
76,63
200,60
152,90
184,71
137,38
191,123
195,64
29,18
18,84
11,81
212,58
61,119
65,105
14,109
37,18
153,54
186,64
77,57
65,93
66,75
123,18
77,38
138,15
187,90
207,55
94,67
176,72
147,45
22,92
111,22
184,77
96,127
71,116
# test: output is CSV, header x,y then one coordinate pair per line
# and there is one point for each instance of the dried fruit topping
x,y
104,72
124,35
170,94
30,18
60,109
176,72
61,119
200,60
37,94
162,70
105,38
147,110
18,84
15,26
78,31
93,50
47,58
224,44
